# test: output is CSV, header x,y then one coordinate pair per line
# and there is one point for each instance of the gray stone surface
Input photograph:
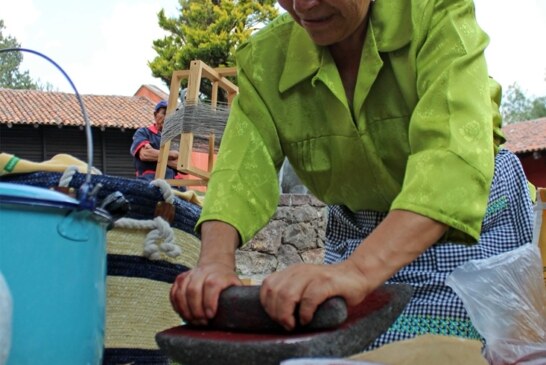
x,y
301,235
268,240
288,255
250,263
365,322
300,222
297,214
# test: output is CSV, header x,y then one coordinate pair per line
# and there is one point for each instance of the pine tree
x,y
10,76
207,30
518,107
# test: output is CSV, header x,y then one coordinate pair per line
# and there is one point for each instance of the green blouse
x,y
420,134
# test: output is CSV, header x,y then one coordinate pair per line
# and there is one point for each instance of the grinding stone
x,y
366,321
239,309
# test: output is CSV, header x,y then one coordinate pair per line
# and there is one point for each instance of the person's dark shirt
x,y
146,169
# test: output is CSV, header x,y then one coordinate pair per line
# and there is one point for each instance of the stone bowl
x,y
190,345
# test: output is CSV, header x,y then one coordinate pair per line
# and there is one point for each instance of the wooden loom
x,y
541,195
217,77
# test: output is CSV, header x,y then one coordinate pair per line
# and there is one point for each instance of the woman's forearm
x,y
219,241
195,293
400,238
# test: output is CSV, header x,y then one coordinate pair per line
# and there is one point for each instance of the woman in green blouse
x,y
386,112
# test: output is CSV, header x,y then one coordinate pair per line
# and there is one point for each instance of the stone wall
x,y
295,234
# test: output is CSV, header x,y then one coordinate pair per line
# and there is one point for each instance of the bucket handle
x,y
86,198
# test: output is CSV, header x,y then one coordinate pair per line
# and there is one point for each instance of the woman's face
x,y
328,21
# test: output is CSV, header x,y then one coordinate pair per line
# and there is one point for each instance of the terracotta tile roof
x,y
56,108
529,136
132,112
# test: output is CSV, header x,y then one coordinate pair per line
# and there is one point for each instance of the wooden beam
x,y
163,158
214,97
184,152
187,182
194,82
211,151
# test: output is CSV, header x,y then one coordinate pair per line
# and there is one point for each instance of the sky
x,y
105,45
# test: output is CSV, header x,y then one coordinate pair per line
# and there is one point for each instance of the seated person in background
x,y
145,148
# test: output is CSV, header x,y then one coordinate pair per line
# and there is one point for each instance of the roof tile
x,y
56,108
132,112
528,136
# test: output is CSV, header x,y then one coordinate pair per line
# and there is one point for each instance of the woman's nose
x,y
302,6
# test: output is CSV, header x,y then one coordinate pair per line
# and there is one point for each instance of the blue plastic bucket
x,y
53,257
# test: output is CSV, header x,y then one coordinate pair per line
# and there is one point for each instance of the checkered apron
x,y
434,307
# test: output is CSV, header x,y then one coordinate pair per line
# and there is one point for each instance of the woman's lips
x,y
316,22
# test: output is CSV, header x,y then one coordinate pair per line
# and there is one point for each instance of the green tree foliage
x,y
518,107
208,30
10,76
538,108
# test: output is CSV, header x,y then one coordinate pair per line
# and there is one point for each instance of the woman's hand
x,y
194,294
400,238
309,285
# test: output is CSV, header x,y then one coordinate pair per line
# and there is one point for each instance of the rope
x,y
160,231
161,236
67,176
165,189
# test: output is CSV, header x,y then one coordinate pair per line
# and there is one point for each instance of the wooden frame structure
x,y
217,77
541,193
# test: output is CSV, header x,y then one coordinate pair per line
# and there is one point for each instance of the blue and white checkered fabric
x,y
434,307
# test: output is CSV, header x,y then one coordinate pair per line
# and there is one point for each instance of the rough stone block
x,y
305,213
303,236
300,199
288,255
285,200
267,240
251,263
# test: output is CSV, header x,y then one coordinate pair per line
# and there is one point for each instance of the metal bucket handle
x,y
86,196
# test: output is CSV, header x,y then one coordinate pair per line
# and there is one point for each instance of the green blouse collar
x,y
391,29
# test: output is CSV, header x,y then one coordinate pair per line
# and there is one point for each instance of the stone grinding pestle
x,y
239,309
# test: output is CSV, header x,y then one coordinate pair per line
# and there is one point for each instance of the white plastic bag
x,y
5,320
506,300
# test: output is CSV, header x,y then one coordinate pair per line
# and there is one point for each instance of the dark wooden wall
x,y
110,147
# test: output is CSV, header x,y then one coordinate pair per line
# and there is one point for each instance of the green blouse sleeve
x,y
450,168
243,189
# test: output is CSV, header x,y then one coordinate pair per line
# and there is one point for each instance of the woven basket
x,y
141,196
137,305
